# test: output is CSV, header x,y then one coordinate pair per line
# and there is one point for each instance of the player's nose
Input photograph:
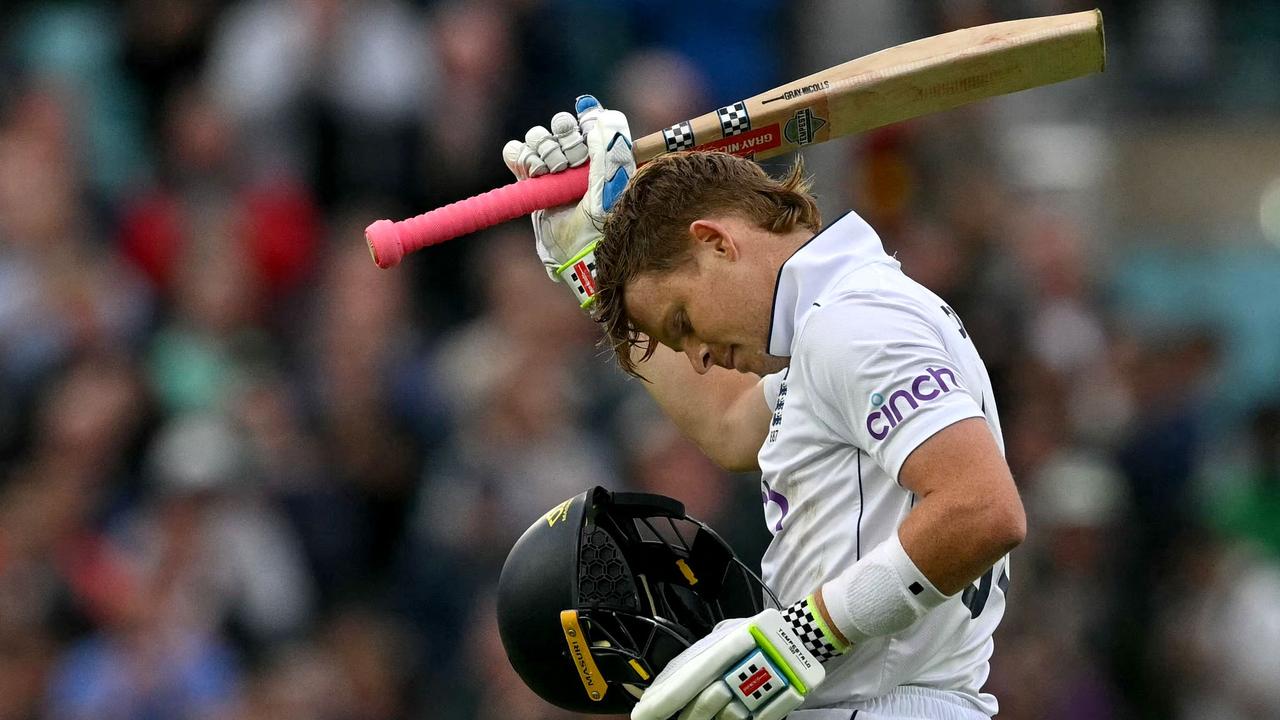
x,y
699,356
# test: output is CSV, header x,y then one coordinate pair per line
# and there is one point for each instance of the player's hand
x,y
746,669
566,236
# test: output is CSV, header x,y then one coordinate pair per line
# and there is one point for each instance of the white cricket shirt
x,y
878,365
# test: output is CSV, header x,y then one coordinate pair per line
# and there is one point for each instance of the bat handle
x,y
390,241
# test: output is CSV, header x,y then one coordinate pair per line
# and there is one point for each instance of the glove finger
x,y
532,165
548,149
735,710
567,133
708,703
511,153
587,108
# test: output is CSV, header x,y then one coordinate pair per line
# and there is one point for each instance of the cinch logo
x,y
923,388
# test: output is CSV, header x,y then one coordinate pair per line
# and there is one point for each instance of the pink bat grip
x,y
390,241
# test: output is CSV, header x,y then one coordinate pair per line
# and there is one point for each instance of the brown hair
x,y
647,230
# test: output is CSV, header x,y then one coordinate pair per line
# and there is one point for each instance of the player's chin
x,y
763,364
750,365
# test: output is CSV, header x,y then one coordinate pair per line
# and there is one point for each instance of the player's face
x,y
714,308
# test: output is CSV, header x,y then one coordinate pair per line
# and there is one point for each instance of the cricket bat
x,y
909,80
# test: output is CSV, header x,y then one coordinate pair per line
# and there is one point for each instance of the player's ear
x,y
714,236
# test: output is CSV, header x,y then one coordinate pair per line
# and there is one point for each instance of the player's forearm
x,y
967,513
954,539
723,412
949,540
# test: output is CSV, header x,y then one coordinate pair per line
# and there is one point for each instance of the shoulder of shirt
x,y
860,298
850,325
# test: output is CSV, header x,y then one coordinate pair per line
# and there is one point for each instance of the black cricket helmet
x,y
602,592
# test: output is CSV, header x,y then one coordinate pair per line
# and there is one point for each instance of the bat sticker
x,y
803,127
678,136
734,119
797,92
748,143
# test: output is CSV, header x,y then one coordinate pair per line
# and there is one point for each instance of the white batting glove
x,y
566,236
746,669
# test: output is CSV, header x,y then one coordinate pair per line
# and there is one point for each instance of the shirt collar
x,y
841,247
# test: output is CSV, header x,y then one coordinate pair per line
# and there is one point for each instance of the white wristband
x,y
881,594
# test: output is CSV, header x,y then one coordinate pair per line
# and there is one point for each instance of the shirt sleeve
x,y
771,384
884,374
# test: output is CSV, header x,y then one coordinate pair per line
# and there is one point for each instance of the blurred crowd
x,y
246,475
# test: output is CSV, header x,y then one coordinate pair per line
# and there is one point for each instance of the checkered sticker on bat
x,y
678,136
734,119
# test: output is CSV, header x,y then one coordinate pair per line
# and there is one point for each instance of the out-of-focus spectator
x,y
59,575
196,357
298,681
523,383
166,44
326,90
148,660
1217,637
201,202
523,449
522,312
1058,639
60,293
357,667
361,362
232,560
74,51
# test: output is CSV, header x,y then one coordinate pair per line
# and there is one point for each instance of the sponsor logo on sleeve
x,y
888,412
769,495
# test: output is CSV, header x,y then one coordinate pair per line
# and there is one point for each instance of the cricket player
x,y
802,351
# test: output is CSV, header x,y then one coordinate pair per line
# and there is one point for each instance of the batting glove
x,y
756,668
566,236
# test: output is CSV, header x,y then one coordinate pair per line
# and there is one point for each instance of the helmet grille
x,y
604,578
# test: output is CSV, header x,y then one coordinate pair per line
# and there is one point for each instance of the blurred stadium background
x,y
246,475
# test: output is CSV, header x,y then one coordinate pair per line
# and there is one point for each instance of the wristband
x,y
881,594
806,620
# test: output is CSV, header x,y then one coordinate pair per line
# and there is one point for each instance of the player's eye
x,y
686,327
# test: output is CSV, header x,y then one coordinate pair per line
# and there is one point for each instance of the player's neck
x,y
788,243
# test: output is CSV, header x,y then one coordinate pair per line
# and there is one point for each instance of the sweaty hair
x,y
647,230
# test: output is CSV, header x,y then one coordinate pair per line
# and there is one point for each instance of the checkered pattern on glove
x,y
812,631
